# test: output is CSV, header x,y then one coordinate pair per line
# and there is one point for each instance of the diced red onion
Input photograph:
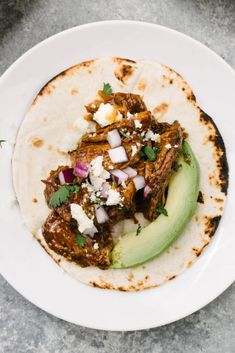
x,y
66,176
105,189
130,172
147,191
114,139
118,155
81,169
119,175
139,182
101,214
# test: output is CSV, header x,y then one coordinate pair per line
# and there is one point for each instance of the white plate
x,y
24,263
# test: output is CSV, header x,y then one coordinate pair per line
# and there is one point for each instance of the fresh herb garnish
x,y
160,209
138,230
149,152
156,149
62,194
80,240
175,122
123,133
107,89
186,156
114,180
98,201
1,141
90,209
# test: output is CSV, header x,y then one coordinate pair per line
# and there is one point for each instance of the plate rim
x,y
110,22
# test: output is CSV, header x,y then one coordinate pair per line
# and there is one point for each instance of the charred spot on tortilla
x,y
123,60
37,142
74,91
123,72
34,200
142,84
220,151
171,277
211,224
200,198
161,109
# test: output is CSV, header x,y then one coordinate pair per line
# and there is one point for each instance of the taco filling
x,y
122,168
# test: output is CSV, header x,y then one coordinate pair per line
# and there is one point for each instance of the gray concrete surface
x,y
25,328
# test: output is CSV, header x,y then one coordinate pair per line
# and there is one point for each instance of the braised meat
x,y
133,102
103,192
158,173
61,238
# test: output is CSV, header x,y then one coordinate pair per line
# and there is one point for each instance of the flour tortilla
x,y
51,119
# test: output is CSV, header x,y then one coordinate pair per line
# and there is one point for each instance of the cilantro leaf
x,y
138,230
62,194
98,201
80,240
107,89
1,141
149,152
156,149
160,209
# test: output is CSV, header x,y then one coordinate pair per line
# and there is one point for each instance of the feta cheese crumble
x,y
98,174
150,135
133,150
106,115
138,124
114,198
85,224
168,146
129,115
96,246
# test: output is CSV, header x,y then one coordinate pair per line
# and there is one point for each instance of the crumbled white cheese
x,y
138,124
150,135
142,133
106,115
129,115
133,150
111,167
176,146
96,246
93,106
85,224
93,197
123,184
168,146
114,198
98,174
138,144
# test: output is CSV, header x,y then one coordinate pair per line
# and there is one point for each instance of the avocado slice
x,y
132,250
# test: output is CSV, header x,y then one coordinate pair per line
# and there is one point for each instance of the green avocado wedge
x,y
131,249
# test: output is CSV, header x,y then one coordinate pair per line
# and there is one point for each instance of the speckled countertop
x,y
25,328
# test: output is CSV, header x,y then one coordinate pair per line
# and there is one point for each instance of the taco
x,y
119,174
